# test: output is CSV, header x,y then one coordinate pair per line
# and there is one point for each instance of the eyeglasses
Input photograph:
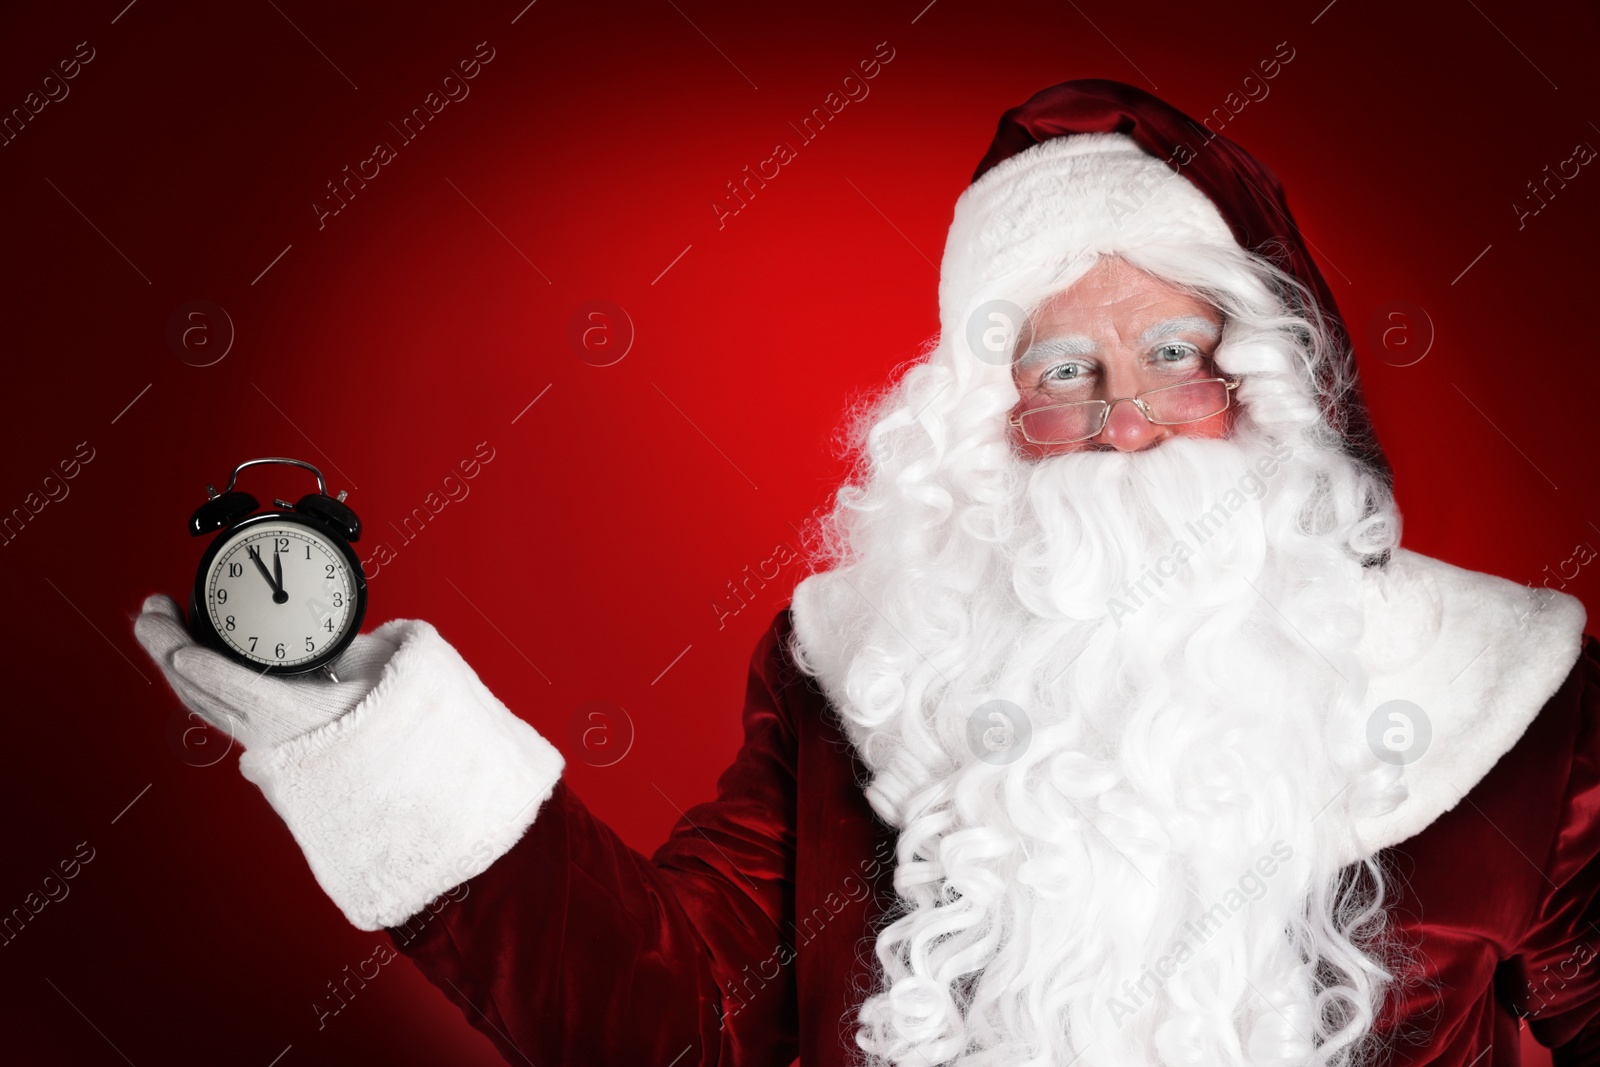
x,y
1167,405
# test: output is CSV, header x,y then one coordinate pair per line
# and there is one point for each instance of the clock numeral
x,y
227,624
310,645
308,552
328,626
338,600
222,596
329,566
279,650
235,570
282,544
252,644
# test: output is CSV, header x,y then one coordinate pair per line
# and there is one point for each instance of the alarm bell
x,y
219,512
331,511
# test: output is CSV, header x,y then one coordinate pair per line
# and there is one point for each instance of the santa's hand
x,y
255,708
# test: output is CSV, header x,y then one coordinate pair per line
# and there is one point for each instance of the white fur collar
x,y
1502,651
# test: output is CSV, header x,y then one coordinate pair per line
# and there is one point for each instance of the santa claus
x,y
1113,726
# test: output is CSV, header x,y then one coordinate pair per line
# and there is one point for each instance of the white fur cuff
x,y
421,786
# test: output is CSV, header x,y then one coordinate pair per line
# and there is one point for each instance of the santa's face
x,y
1116,333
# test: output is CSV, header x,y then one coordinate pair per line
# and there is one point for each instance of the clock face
x,y
281,594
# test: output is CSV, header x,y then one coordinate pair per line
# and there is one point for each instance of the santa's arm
x,y
1559,956
557,940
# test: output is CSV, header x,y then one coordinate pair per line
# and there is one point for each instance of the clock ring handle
x,y
223,509
322,484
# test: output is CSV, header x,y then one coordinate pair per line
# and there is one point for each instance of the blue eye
x,y
1063,372
1183,352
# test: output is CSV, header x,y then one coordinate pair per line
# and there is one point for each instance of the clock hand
x,y
255,557
278,595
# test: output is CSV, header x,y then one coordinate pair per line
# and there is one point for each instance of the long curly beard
x,y
1108,708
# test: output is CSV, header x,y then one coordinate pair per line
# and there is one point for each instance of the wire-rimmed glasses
x,y
1070,422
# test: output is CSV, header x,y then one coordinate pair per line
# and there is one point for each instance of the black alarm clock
x,y
280,591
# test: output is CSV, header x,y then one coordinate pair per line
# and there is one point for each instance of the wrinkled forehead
x,y
1115,292
1114,305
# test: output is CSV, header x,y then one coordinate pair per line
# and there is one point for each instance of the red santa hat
x,y
1095,165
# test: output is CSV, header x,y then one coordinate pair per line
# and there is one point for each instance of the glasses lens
x,y
1063,424
1189,402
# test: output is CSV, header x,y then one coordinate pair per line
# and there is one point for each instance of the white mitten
x,y
256,708
400,781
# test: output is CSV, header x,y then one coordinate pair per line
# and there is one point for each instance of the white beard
x,y
1144,879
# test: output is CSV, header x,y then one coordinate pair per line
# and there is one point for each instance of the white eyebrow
x,y
1053,347
1186,324
1079,345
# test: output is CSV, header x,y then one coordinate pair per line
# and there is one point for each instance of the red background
x,y
424,317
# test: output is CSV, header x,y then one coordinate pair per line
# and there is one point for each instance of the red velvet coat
x,y
746,939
